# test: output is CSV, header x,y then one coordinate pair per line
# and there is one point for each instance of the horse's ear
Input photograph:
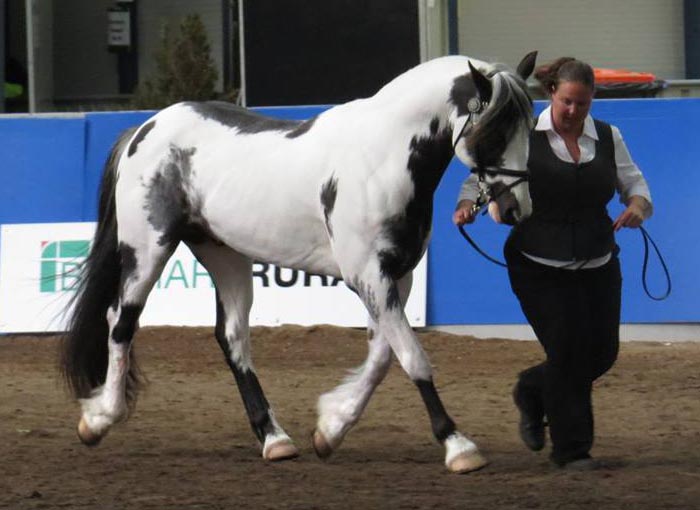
x,y
482,83
527,65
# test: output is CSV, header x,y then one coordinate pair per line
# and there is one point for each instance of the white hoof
x,y
321,446
466,462
86,435
280,450
462,455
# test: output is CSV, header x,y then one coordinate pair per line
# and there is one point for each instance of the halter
x,y
486,197
474,106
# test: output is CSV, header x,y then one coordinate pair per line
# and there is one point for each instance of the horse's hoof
x,y
281,450
87,436
321,446
467,462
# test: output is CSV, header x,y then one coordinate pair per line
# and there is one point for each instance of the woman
x,y
562,261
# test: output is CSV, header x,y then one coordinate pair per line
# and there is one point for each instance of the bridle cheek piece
x,y
476,106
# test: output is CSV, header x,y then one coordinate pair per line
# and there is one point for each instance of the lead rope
x,y
645,236
647,239
479,250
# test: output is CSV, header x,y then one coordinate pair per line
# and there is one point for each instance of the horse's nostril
x,y
511,216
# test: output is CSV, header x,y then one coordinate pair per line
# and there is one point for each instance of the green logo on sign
x,y
60,264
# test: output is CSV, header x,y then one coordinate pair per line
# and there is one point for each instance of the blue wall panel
x,y
41,162
663,138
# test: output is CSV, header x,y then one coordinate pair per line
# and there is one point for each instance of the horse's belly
x,y
298,244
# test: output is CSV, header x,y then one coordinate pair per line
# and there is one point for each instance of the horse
x,y
347,193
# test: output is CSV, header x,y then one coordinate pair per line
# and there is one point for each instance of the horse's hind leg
x,y
232,275
110,403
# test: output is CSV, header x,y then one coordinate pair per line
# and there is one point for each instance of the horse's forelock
x,y
510,105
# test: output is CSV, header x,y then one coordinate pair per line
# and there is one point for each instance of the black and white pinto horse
x,y
347,193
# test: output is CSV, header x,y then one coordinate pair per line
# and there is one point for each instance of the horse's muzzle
x,y
510,216
508,208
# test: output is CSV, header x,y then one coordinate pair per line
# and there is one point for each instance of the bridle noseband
x,y
489,196
486,193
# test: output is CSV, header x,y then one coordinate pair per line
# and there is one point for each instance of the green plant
x,y
185,70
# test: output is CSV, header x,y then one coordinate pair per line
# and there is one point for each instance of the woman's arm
x,y
631,184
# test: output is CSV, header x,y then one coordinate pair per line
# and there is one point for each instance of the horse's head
x,y
492,122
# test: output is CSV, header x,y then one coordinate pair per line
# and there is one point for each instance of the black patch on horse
x,y
246,121
407,232
172,210
392,297
126,325
366,295
441,423
127,255
463,89
145,129
302,128
329,192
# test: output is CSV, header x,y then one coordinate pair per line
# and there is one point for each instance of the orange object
x,y
621,76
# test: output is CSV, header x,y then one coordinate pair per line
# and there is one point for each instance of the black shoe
x,y
531,426
585,463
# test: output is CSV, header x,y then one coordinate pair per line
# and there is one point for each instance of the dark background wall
x,y
691,11
321,52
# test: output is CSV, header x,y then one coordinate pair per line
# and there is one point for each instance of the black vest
x,y
569,216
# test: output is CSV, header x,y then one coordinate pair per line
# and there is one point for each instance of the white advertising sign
x,y
119,28
38,265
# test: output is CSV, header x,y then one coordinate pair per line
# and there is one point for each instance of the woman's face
x,y
571,102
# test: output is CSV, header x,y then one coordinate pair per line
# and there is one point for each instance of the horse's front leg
x,y
461,455
381,296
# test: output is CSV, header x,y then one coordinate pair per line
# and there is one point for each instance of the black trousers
x,y
576,317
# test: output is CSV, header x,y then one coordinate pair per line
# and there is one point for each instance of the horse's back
x,y
255,181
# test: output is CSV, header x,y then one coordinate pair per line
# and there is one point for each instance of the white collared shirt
x,y
629,182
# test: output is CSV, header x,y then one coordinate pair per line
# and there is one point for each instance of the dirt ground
x,y
188,444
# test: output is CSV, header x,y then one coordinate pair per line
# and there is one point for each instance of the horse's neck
x,y
423,92
404,108
408,110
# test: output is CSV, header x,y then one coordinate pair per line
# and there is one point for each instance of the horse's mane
x,y
510,105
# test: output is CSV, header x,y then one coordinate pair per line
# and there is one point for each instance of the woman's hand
x,y
495,212
633,216
464,213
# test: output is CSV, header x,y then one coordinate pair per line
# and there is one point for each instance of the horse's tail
x,y
84,351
